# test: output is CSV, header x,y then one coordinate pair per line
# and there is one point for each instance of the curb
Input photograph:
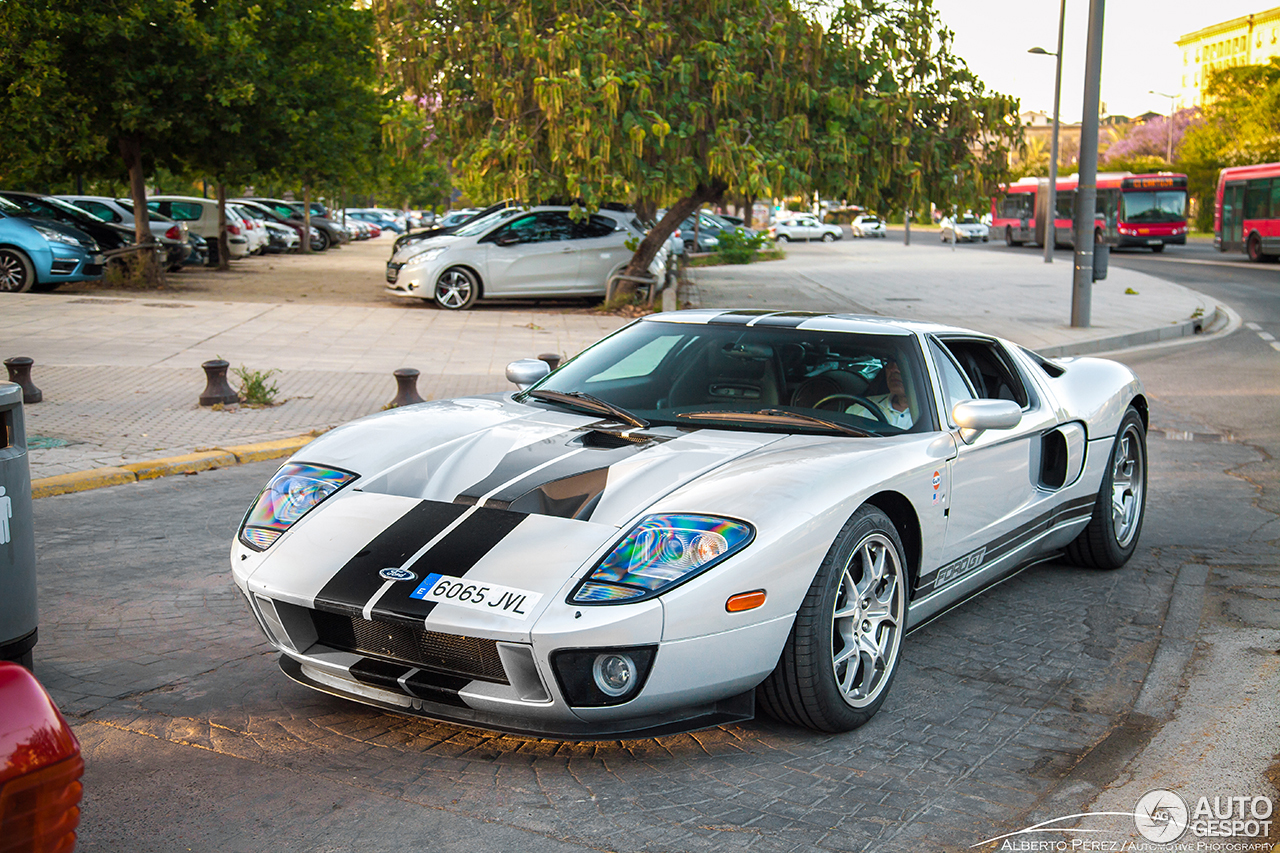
x,y
1220,320
190,463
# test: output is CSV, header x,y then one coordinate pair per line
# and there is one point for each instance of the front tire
x,y
456,289
17,275
1112,534
828,237
843,650
321,242
1008,237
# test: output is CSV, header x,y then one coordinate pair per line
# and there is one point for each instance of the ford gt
x,y
704,513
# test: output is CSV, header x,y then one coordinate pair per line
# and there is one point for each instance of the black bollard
x,y
20,372
406,388
216,390
551,358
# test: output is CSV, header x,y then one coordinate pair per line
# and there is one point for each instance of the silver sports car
x,y
702,512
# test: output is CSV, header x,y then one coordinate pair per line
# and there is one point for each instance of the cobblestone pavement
x,y
998,706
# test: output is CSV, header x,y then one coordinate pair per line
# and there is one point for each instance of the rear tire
x,y
1254,249
1008,237
321,242
784,238
17,274
840,658
1112,534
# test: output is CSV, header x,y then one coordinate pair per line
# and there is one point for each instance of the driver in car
x,y
894,405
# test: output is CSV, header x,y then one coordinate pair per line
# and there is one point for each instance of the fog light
x,y
614,674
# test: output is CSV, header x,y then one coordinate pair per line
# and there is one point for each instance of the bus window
x,y
1257,199
1066,204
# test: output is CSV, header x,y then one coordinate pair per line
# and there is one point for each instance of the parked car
x,y
704,514
40,254
272,216
259,240
327,233
111,238
40,767
385,221
869,226
518,253
171,234
280,237
805,227
201,216
965,228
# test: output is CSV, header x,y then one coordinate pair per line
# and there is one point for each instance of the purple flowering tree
x,y
1152,139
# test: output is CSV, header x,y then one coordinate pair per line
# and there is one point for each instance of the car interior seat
x,y
809,392
730,377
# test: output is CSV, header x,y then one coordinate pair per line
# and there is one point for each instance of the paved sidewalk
x,y
121,376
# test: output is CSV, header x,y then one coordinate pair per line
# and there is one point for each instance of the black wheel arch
x,y
907,523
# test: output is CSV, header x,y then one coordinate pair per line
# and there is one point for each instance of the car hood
x,y
434,241
509,494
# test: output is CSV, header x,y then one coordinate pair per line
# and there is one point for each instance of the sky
x,y
1138,53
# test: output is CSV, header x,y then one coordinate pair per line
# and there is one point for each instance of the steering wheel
x,y
861,401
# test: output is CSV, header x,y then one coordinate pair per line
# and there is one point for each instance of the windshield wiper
x,y
777,416
592,404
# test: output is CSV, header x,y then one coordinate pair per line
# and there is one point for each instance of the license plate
x,y
485,597
1153,242
98,260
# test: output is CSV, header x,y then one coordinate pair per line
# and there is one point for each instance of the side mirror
x,y
976,416
526,371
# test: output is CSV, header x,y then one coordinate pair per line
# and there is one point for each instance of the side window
x,y
987,370
185,211
596,226
99,210
955,388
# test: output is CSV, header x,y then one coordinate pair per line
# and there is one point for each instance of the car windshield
x,y
484,223
761,378
968,219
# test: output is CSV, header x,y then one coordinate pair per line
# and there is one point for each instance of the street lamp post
x,y
1168,148
1050,230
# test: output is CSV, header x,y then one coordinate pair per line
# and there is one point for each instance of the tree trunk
x,y
306,217
660,233
748,210
142,266
224,244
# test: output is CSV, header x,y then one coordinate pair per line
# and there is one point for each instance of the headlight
x,y
425,255
295,490
659,553
57,236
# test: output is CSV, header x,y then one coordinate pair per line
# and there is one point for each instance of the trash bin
x,y
17,533
1101,255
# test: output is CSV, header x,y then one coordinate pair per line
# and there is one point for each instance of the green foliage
x,y
256,388
738,247
684,101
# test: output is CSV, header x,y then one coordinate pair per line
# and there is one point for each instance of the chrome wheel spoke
x,y
866,620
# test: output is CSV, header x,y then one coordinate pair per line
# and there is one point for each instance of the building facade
x,y
1247,40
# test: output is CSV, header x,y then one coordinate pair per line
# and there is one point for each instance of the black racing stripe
x,y
595,455
454,555
738,318
1006,544
787,319
575,496
355,583
379,673
437,687
432,686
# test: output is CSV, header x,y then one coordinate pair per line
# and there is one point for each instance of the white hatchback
x,y
805,228
201,216
515,253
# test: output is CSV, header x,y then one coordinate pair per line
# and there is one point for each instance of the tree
x,y
84,80
1152,140
685,101
1240,125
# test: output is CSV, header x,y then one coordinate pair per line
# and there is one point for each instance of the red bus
x,y
1246,214
1132,210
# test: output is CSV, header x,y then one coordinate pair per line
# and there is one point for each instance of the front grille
x,y
411,644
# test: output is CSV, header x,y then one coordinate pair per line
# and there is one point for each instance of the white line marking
x,y
1254,326
1275,345
367,612
1266,336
